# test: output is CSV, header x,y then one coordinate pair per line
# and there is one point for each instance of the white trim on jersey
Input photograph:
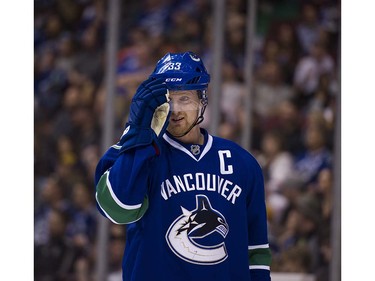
x,y
108,216
183,149
118,202
265,267
263,246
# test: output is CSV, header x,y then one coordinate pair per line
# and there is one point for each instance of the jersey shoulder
x,y
237,151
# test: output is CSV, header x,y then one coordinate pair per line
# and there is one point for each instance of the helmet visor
x,y
184,101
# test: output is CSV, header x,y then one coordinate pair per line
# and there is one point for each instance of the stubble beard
x,y
178,129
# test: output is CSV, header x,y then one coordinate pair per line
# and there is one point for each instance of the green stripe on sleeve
x,y
260,256
117,214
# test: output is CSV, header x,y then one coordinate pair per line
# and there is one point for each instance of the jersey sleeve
x,y
258,248
122,183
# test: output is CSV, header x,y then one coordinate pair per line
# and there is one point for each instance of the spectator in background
x,y
231,102
55,259
85,127
270,90
317,118
44,149
283,216
66,48
93,13
228,130
82,227
89,156
50,83
233,92
52,197
154,16
53,26
324,189
316,156
65,150
84,269
67,163
308,27
117,238
268,53
89,57
277,163
310,68
136,56
303,228
186,28
324,100
277,166
289,50
235,32
288,120
62,123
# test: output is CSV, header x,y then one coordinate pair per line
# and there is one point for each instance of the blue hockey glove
x,y
148,118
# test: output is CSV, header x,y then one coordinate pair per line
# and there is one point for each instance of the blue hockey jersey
x,y
192,212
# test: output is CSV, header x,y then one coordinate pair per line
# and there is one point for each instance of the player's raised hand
x,y
148,117
151,94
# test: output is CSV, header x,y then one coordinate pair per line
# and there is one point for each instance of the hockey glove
x,y
148,116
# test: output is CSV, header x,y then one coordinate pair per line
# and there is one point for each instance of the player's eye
x,y
184,99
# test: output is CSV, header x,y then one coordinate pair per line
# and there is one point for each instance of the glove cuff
x,y
135,136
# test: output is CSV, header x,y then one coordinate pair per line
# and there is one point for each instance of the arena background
x,y
66,105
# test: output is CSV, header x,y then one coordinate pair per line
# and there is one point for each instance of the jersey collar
x,y
176,144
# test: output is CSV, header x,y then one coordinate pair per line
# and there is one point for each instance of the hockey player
x,y
193,203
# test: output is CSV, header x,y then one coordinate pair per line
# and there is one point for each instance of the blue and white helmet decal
x,y
182,71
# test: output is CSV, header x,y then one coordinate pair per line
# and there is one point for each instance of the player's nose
x,y
175,106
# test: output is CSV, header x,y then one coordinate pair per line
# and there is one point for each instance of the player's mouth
x,y
177,119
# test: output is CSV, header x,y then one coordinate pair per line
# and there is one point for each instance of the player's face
x,y
185,107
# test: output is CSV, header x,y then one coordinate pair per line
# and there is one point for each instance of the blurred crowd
x,y
295,89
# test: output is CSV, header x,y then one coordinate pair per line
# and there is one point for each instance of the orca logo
x,y
201,222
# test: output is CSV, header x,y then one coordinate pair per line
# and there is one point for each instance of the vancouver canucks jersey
x,y
193,212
